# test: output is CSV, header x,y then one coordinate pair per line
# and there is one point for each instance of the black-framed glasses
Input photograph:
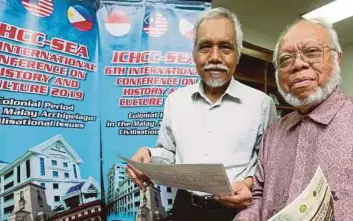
x,y
310,55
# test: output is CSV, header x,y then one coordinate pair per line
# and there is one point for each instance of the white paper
x,y
209,178
315,203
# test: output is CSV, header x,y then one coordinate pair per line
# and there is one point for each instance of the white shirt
x,y
229,131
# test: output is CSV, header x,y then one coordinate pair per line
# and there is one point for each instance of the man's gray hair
x,y
320,21
222,13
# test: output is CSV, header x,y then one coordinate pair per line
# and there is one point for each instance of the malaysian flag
x,y
41,8
155,24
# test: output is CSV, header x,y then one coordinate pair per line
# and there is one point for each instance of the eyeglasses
x,y
310,55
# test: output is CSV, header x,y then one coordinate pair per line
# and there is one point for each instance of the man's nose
x,y
216,55
299,62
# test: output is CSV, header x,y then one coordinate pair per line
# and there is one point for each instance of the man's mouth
x,y
215,70
300,82
215,73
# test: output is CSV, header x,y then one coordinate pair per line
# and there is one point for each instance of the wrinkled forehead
x,y
305,33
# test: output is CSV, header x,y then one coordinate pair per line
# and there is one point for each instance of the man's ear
x,y
194,54
339,58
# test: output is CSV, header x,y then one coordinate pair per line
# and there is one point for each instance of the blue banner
x,y
145,53
49,128
69,68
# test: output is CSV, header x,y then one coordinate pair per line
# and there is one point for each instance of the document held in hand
x,y
209,178
315,203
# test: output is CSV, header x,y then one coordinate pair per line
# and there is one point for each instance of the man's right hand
x,y
143,155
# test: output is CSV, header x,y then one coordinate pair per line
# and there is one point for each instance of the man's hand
x,y
143,155
241,196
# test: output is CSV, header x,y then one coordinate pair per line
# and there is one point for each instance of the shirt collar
x,y
322,114
234,89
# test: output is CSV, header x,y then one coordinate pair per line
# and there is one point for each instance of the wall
x,y
257,38
347,70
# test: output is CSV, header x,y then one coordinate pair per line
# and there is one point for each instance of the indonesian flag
x,y
118,23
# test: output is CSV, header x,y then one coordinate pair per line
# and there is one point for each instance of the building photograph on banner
x,y
145,54
49,126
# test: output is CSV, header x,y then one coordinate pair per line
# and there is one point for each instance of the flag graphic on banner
x,y
155,24
80,18
118,23
41,8
186,28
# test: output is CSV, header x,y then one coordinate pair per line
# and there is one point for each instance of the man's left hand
x,y
241,197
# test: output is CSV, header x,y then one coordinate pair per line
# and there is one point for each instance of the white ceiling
x,y
272,16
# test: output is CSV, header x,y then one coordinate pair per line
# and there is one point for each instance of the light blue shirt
x,y
229,131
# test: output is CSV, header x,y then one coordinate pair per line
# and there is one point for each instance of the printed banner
x,y
69,67
49,128
145,53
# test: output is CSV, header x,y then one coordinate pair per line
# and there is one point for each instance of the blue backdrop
x,y
115,63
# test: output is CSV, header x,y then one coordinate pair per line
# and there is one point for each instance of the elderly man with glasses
x,y
319,133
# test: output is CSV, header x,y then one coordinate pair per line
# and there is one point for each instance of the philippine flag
x,y
80,18
155,24
118,23
186,28
40,8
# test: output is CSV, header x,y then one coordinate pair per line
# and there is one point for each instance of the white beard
x,y
215,83
321,94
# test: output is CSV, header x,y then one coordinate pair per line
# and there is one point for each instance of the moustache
x,y
215,67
